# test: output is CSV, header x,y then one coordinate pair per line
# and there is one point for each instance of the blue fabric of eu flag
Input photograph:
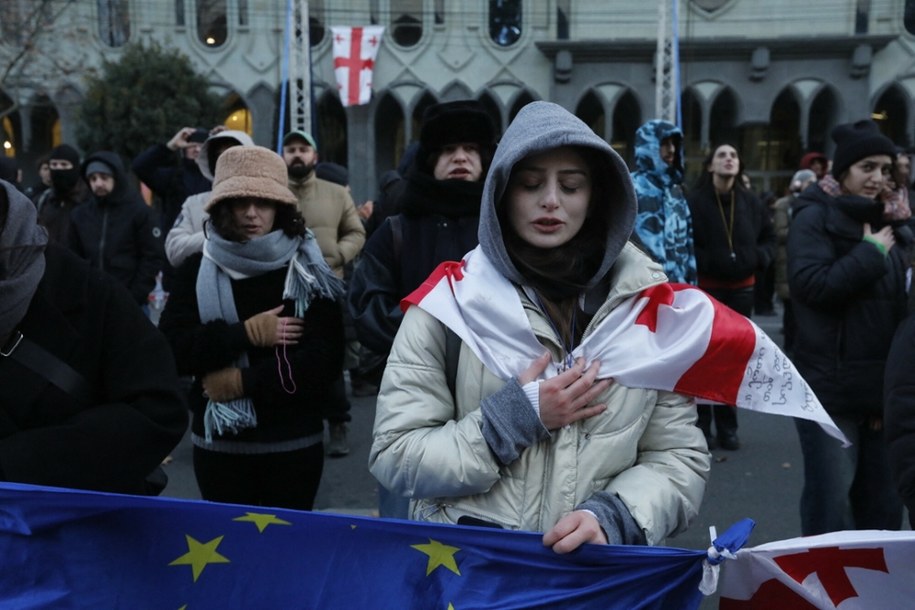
x,y
66,549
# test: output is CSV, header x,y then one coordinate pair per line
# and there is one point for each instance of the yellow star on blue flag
x,y
439,555
262,520
200,555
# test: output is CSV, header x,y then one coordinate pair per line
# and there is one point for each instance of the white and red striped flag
x,y
852,570
668,337
355,49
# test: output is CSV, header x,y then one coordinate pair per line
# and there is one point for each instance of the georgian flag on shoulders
x,y
668,337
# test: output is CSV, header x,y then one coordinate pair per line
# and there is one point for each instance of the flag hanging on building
x,y
79,549
859,570
355,49
668,337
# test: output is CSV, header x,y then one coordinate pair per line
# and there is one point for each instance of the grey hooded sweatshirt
x,y
186,235
483,452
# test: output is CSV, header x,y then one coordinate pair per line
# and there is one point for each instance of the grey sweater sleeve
x,y
614,518
510,424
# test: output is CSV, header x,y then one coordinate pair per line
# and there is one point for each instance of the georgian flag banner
x,y
668,337
850,570
355,49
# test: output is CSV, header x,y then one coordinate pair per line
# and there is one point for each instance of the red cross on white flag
x,y
355,49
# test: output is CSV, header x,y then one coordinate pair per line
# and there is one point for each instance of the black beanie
x,y
65,152
856,141
453,122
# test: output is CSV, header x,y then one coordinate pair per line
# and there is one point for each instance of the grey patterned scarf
x,y
308,277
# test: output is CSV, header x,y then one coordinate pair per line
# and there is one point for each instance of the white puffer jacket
x,y
645,447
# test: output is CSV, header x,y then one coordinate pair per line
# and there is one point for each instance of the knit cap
x,y
65,152
250,171
855,141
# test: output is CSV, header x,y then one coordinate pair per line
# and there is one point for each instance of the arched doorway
x,y
331,122
389,134
627,117
891,112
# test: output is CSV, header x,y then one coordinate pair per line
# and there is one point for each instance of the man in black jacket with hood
x,y
67,192
116,231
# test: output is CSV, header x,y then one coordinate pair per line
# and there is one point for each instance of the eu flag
x,y
64,548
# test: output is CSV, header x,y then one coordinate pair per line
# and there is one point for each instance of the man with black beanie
x,y
67,192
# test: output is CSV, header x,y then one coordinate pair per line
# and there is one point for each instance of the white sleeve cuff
x,y
532,391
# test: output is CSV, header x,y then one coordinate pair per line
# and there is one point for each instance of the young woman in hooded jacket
x,y
847,266
553,449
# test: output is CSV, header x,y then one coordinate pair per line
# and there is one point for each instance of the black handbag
x,y
39,360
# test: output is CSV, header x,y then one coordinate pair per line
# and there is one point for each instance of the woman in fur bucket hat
x,y
255,320
847,266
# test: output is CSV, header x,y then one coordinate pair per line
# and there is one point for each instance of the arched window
x,y
389,134
892,114
691,111
524,98
908,16
212,23
591,111
823,117
492,109
238,117
332,129
505,21
627,116
113,22
179,13
406,22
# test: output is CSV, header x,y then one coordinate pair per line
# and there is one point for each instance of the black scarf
x,y
425,196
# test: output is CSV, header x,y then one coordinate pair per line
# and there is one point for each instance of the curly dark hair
x,y
288,219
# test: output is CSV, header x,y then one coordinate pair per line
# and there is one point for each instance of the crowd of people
x,y
278,282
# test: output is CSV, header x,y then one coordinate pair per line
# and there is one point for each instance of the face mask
x,y
63,180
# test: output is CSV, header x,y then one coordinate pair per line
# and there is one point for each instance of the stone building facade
x,y
770,76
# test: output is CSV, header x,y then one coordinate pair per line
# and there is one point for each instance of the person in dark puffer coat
x,y
847,275
115,230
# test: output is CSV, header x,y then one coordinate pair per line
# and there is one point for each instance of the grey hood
x,y
541,126
203,159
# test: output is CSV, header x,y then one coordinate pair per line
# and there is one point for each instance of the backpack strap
x,y
39,360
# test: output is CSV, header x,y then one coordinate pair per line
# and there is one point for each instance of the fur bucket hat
x,y
250,171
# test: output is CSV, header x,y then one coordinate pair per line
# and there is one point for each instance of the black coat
x,y
171,178
900,412
848,298
316,361
753,237
439,222
137,414
118,234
